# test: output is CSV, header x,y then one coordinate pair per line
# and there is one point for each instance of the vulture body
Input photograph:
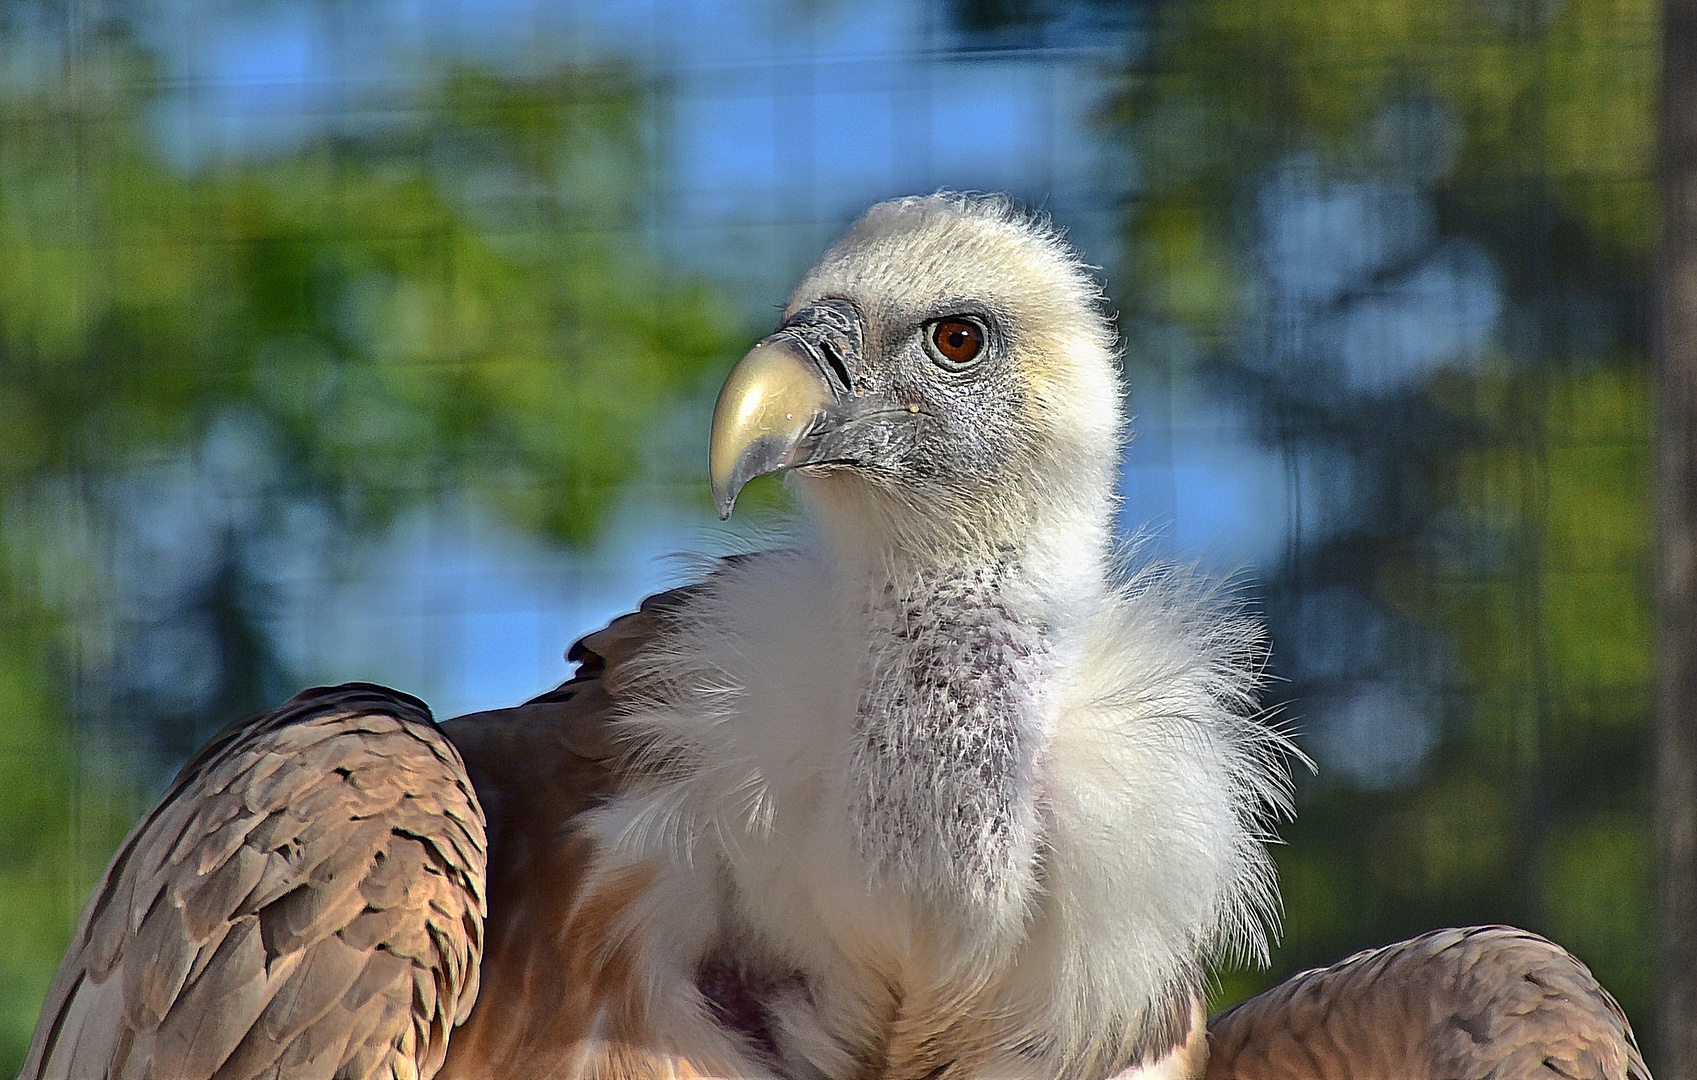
x,y
944,790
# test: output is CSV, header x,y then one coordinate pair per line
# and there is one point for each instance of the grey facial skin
x,y
835,388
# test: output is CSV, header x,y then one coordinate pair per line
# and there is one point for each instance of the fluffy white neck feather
x,y
1070,844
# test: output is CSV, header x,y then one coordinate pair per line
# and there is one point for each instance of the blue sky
x,y
782,119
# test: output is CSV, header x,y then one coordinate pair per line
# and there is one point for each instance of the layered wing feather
x,y
1468,1004
306,901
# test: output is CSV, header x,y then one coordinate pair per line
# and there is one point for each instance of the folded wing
x,y
307,901
1487,1001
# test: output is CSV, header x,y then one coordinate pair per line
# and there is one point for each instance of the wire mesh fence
x,y
377,340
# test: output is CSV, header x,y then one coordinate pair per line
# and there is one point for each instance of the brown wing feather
x,y
306,901
1481,1002
547,974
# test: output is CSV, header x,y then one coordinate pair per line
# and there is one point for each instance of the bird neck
x,y
952,713
1039,558
955,704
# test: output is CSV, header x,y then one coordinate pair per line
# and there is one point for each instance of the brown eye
x,y
958,341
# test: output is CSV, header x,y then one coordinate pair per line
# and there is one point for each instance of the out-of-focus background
x,y
376,338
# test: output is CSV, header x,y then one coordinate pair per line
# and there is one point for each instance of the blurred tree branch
x,y
1676,564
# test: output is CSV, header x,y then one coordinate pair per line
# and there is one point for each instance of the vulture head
x,y
943,383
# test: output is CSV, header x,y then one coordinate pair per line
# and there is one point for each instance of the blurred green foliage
x,y
455,298
467,288
1496,518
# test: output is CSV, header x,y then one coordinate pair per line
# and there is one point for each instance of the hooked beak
x,y
773,400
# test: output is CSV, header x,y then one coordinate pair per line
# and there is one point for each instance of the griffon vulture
x,y
943,790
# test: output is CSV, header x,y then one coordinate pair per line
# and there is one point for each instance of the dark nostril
x,y
830,332
828,349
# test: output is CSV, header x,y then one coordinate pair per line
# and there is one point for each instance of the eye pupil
x,y
957,340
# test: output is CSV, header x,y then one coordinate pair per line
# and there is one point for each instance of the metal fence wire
x,y
376,340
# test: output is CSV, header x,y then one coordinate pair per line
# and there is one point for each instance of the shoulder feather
x,y
561,991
